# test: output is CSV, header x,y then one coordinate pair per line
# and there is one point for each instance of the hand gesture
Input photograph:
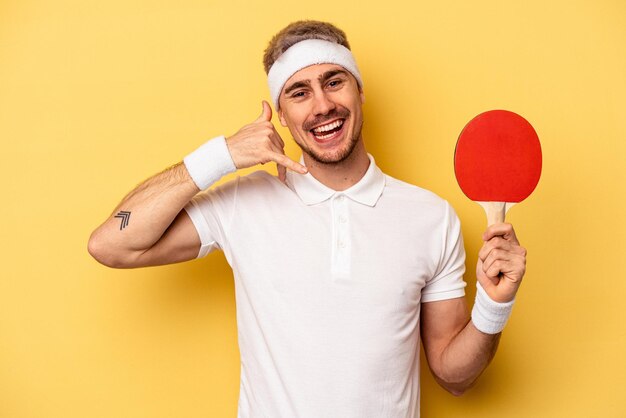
x,y
501,263
259,143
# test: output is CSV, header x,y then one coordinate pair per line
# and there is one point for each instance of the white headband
x,y
304,54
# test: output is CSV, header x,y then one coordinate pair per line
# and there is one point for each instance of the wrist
x,y
210,162
489,316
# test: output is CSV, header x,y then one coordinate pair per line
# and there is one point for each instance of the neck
x,y
343,175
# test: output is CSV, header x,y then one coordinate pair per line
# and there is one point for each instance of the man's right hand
x,y
259,143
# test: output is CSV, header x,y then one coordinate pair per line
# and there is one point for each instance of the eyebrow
x,y
330,74
307,83
297,85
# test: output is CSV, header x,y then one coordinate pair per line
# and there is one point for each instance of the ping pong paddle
x,y
497,161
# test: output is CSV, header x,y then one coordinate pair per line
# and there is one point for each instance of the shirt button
x,y
342,219
342,244
340,198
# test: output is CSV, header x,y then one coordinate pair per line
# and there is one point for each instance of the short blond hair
x,y
300,31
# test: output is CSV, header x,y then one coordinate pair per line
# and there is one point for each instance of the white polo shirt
x,y
328,289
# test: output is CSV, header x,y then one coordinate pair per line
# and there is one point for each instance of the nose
x,y
322,103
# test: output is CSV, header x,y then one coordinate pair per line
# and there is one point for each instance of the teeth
x,y
323,136
325,128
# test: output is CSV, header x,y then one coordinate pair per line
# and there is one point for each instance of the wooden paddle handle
x,y
495,211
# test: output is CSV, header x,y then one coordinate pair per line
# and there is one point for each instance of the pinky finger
x,y
287,162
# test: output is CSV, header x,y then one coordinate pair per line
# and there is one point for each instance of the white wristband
x,y
210,162
489,316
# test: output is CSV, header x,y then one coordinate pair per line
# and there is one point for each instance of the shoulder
x,y
258,181
253,184
418,203
400,190
260,177
259,186
251,181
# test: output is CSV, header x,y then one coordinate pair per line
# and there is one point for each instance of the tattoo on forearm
x,y
124,216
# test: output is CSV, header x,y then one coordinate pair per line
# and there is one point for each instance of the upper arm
x,y
440,322
180,242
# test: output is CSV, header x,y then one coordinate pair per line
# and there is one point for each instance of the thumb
x,y
266,113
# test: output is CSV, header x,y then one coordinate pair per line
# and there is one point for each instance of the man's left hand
x,y
501,263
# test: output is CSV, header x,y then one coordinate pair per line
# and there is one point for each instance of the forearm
x,y
145,213
465,358
459,349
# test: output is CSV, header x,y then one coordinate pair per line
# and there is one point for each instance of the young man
x,y
338,267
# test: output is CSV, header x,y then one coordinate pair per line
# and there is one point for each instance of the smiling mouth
x,y
327,131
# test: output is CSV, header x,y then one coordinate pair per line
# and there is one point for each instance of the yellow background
x,y
96,96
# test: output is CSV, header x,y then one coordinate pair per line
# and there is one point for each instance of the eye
x,y
297,94
335,83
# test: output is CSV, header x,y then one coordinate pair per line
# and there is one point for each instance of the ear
x,y
362,95
282,119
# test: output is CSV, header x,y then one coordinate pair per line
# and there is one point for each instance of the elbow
x,y
456,391
103,253
454,387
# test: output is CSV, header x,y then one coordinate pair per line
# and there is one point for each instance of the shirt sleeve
x,y
447,282
211,212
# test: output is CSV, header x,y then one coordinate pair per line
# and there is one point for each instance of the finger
x,y
285,161
513,259
266,113
512,267
494,243
504,230
282,172
494,269
277,139
509,270
494,256
274,146
485,281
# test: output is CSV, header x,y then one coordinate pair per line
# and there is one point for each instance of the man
x,y
336,264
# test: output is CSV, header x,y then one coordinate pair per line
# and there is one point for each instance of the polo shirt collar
x,y
366,191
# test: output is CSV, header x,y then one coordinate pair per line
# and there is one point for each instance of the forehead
x,y
311,73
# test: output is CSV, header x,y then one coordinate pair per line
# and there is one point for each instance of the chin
x,y
332,156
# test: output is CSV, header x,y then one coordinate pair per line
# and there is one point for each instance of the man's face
x,y
321,106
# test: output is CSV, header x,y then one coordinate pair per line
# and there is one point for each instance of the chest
x,y
338,249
